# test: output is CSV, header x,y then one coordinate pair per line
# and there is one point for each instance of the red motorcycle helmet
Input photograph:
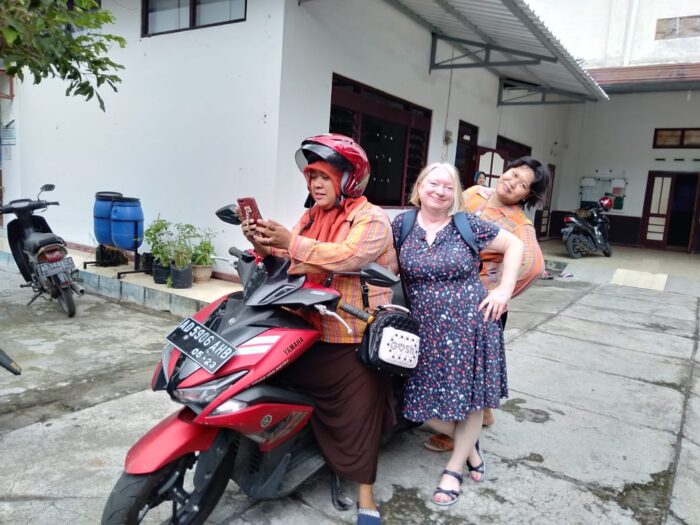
x,y
344,153
606,203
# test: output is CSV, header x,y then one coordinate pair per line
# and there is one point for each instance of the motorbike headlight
x,y
198,397
229,407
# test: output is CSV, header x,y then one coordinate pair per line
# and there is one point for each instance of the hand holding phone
x,y
249,209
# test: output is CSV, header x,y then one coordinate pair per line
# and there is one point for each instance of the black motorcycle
x,y
41,255
586,230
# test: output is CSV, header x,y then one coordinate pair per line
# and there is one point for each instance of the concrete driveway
x,y
602,424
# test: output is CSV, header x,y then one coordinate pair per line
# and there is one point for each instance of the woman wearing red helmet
x,y
342,231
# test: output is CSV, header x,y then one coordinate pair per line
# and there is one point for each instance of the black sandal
x,y
479,469
453,494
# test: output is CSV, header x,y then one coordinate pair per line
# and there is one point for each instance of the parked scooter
x,y
235,424
587,232
41,256
9,364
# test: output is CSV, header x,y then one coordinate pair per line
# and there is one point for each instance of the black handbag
x,y
391,342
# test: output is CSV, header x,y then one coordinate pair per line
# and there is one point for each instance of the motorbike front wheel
x,y
573,246
607,251
169,494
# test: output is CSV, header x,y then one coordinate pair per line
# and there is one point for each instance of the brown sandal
x,y
439,443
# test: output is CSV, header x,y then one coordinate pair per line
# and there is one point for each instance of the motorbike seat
x,y
37,240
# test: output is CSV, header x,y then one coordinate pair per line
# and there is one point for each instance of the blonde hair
x,y
457,203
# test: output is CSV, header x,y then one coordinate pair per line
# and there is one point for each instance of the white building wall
x,y
208,115
373,43
192,126
618,136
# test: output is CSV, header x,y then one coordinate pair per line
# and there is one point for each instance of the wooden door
x,y
493,163
466,151
542,216
657,209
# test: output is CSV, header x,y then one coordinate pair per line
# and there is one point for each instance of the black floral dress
x,y
462,364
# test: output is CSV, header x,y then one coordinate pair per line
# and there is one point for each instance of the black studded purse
x,y
391,342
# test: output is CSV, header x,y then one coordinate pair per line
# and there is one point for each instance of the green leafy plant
x,y
169,281
159,238
50,38
203,252
182,245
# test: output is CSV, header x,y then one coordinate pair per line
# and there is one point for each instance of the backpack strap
x,y
408,219
465,230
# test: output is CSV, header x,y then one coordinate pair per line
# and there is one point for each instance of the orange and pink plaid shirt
x,y
513,220
365,237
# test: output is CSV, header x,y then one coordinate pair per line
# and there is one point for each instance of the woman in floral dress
x,y
462,366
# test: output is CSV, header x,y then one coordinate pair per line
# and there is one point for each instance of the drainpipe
x,y
629,30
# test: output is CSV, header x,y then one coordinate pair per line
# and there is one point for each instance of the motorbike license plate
x,y
45,270
206,348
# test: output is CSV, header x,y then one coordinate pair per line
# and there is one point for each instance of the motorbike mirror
x,y
45,187
377,275
228,214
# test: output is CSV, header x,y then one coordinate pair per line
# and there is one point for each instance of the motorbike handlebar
x,y
52,203
355,312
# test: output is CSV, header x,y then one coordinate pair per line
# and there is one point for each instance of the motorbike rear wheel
x,y
64,296
167,495
573,246
65,299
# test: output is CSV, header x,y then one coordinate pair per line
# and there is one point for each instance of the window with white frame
x,y
167,16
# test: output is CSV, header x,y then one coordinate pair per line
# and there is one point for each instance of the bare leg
x,y
444,427
365,496
489,418
466,434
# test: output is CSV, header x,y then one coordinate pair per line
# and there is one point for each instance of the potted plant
x,y
181,250
159,236
203,256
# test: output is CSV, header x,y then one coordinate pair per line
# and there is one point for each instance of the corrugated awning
x,y
506,37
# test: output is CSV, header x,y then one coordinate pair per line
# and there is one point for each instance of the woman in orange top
x,y
342,231
523,185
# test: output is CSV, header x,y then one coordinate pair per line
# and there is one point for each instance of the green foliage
x,y
203,252
48,38
169,281
182,245
159,238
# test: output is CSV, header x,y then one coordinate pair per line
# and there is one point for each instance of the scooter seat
x,y
37,240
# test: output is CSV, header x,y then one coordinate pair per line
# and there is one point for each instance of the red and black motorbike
x,y
40,254
234,424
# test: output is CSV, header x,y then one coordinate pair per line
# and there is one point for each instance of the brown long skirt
x,y
353,406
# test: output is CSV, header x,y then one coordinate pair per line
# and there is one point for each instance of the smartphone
x,y
249,209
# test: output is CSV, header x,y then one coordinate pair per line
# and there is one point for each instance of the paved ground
x,y
602,426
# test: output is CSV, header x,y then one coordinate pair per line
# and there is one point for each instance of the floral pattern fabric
x,y
462,365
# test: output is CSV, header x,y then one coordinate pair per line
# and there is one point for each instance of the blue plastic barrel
x,y
127,223
102,215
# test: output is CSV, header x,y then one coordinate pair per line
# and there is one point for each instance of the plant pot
x,y
201,272
147,263
181,278
160,273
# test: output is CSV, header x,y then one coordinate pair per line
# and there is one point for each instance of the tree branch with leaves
x,y
54,38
